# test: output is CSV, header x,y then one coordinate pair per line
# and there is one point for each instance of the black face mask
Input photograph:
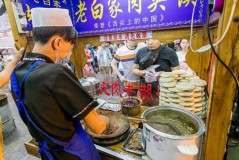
x,y
149,59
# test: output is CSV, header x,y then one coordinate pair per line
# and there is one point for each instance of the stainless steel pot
x,y
91,84
159,145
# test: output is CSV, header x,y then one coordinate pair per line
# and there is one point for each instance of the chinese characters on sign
x,y
125,36
98,17
144,90
131,15
28,5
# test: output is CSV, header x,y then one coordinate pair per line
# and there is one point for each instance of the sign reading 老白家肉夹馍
x,y
95,17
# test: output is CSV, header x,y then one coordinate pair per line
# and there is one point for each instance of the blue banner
x,y
106,16
96,17
27,5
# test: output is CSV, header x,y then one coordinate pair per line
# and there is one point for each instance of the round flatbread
x,y
174,89
185,94
198,113
175,100
163,103
194,77
199,104
187,99
198,89
188,74
175,104
180,72
163,94
189,108
169,85
178,78
198,109
185,86
166,74
184,80
198,82
198,99
172,95
166,80
187,104
197,94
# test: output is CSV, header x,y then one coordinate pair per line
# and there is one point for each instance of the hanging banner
x,y
112,16
125,36
96,17
27,5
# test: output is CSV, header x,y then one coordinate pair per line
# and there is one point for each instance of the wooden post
x,y
20,39
1,140
223,87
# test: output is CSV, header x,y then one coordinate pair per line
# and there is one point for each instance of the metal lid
x,y
88,81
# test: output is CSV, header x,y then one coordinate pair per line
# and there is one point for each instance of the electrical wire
x,y
229,70
207,47
220,60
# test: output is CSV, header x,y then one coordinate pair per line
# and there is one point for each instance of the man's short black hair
x,y
43,34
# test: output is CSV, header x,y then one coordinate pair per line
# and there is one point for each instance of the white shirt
x,y
181,56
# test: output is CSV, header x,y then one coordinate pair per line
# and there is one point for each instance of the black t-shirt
x,y
167,59
52,95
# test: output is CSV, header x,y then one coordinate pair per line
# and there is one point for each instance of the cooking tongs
x,y
175,129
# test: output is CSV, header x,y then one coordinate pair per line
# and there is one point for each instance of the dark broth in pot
x,y
183,123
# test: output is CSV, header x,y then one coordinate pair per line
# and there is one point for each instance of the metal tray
x,y
124,145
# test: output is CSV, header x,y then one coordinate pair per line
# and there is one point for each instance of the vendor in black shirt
x,y
165,58
52,101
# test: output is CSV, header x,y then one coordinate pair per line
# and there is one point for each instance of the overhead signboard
x,y
96,17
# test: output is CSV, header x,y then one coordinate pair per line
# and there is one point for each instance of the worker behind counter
x,y
148,64
50,98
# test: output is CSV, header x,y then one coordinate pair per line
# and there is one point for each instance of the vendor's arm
x,y
138,72
6,73
115,69
114,62
175,68
76,101
96,122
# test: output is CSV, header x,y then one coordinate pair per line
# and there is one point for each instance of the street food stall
x,y
214,109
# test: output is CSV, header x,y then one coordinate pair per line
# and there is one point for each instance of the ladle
x,y
175,129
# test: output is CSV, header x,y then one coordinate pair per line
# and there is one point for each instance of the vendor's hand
x,y
17,54
106,122
157,74
122,79
143,72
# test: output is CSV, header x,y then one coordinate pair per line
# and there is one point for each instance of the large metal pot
x,y
91,84
160,145
8,124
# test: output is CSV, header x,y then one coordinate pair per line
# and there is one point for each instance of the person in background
x,y
104,59
175,45
165,59
6,73
109,46
54,121
95,59
126,55
93,53
121,44
184,48
88,70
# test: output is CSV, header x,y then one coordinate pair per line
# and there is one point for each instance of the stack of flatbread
x,y
183,89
